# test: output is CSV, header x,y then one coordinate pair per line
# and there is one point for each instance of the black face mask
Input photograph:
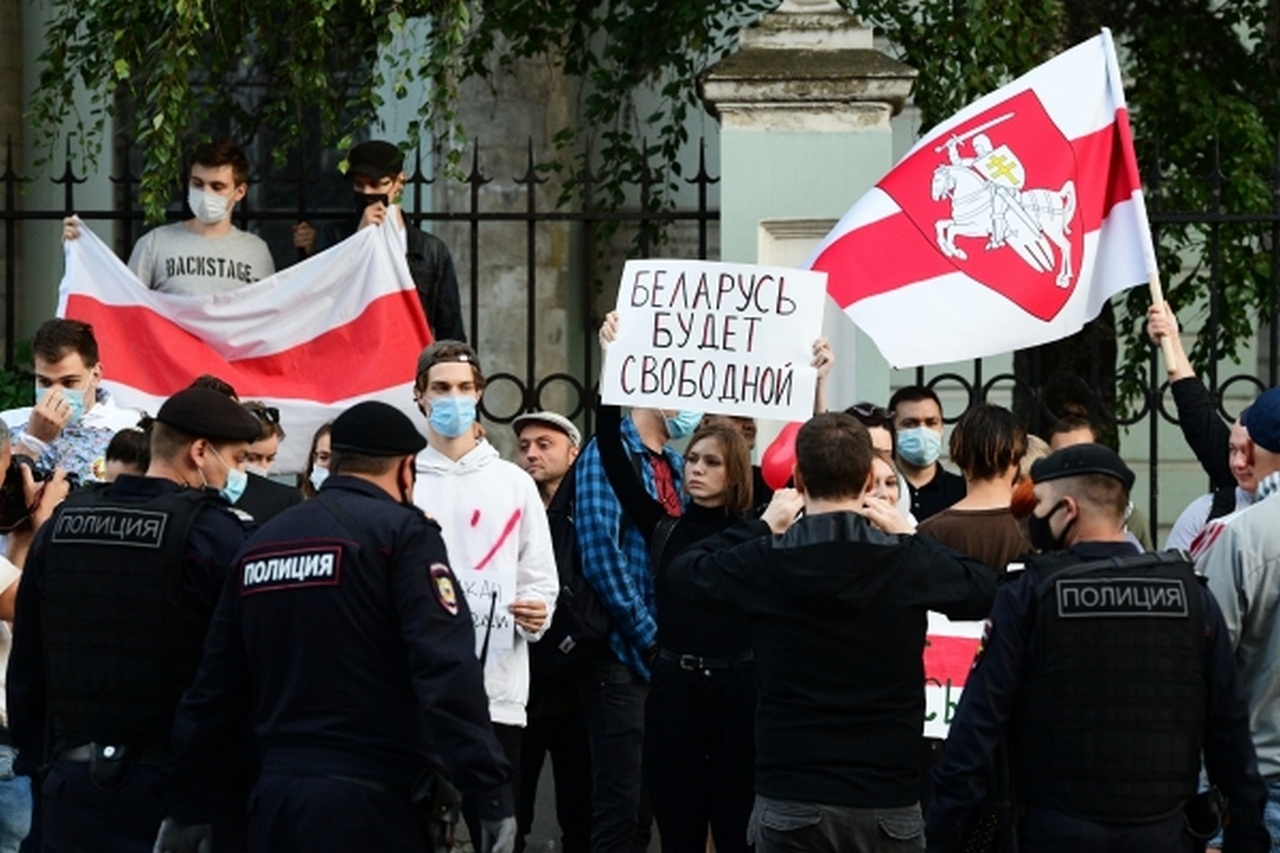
x,y
1041,534
363,200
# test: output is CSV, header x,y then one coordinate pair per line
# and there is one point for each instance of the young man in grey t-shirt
x,y
204,254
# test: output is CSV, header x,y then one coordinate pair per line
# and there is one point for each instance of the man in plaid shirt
x,y
615,561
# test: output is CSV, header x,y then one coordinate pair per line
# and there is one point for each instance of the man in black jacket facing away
x,y
838,610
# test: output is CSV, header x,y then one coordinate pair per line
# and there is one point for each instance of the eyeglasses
x,y
266,414
870,415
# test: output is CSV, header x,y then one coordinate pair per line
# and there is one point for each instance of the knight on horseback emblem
x,y
989,199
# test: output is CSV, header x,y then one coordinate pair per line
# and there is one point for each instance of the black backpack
x,y
580,625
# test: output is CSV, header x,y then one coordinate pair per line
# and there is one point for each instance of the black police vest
x,y
1111,714
119,647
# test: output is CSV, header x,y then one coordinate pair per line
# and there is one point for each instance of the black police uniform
x,y
116,595
1105,684
351,668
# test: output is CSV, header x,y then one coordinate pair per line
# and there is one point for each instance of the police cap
x,y
1262,420
1080,459
375,159
205,413
373,428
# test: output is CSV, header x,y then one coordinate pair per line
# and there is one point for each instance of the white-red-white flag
x,y
342,326
1006,226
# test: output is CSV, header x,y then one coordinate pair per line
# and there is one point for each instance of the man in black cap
x,y
262,498
1105,673
376,171
344,646
118,592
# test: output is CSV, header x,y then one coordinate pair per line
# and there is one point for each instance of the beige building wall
x,y
523,107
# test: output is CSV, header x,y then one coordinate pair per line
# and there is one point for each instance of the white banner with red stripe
x,y
950,648
1008,225
342,326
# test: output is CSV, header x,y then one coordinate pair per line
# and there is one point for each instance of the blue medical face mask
x,y
74,398
452,416
318,476
920,446
683,424
237,480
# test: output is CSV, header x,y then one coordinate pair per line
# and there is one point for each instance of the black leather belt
x,y
696,663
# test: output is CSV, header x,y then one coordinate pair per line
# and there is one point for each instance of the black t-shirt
x,y
936,495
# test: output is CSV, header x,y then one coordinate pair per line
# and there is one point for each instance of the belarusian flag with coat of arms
x,y
1006,226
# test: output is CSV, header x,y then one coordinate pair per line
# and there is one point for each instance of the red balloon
x,y
779,458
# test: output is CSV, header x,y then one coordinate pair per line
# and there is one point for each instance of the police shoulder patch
x,y
241,516
442,583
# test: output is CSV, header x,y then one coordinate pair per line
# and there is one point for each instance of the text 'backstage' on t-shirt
x,y
174,259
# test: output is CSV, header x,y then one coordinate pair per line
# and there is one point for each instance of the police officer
x,y
1107,673
343,643
110,619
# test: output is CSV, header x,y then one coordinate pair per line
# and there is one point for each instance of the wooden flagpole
x,y
1157,298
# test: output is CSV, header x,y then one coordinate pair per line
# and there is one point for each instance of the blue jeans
x,y
1271,816
15,803
783,826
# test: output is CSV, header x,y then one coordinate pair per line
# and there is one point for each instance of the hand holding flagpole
x,y
1166,341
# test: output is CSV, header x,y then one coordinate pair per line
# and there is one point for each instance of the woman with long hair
x,y
699,718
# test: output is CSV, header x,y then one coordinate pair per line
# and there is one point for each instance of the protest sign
x,y
949,651
716,337
488,592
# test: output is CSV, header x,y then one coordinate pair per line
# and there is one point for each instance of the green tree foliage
x,y
614,50
1200,76
313,70
304,68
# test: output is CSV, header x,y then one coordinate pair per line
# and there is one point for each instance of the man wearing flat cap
x,y
343,645
118,592
1241,558
376,172
1104,676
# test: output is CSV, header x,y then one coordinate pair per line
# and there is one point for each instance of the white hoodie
x,y
474,499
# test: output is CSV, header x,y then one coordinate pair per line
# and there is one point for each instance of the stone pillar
x,y
804,108
516,113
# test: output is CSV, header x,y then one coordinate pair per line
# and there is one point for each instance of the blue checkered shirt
x,y
615,555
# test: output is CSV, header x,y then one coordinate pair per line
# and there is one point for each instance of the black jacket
x,y
1207,434
264,498
990,703
339,661
837,612
431,266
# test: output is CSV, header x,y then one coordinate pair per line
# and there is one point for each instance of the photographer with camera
x,y
73,418
35,501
